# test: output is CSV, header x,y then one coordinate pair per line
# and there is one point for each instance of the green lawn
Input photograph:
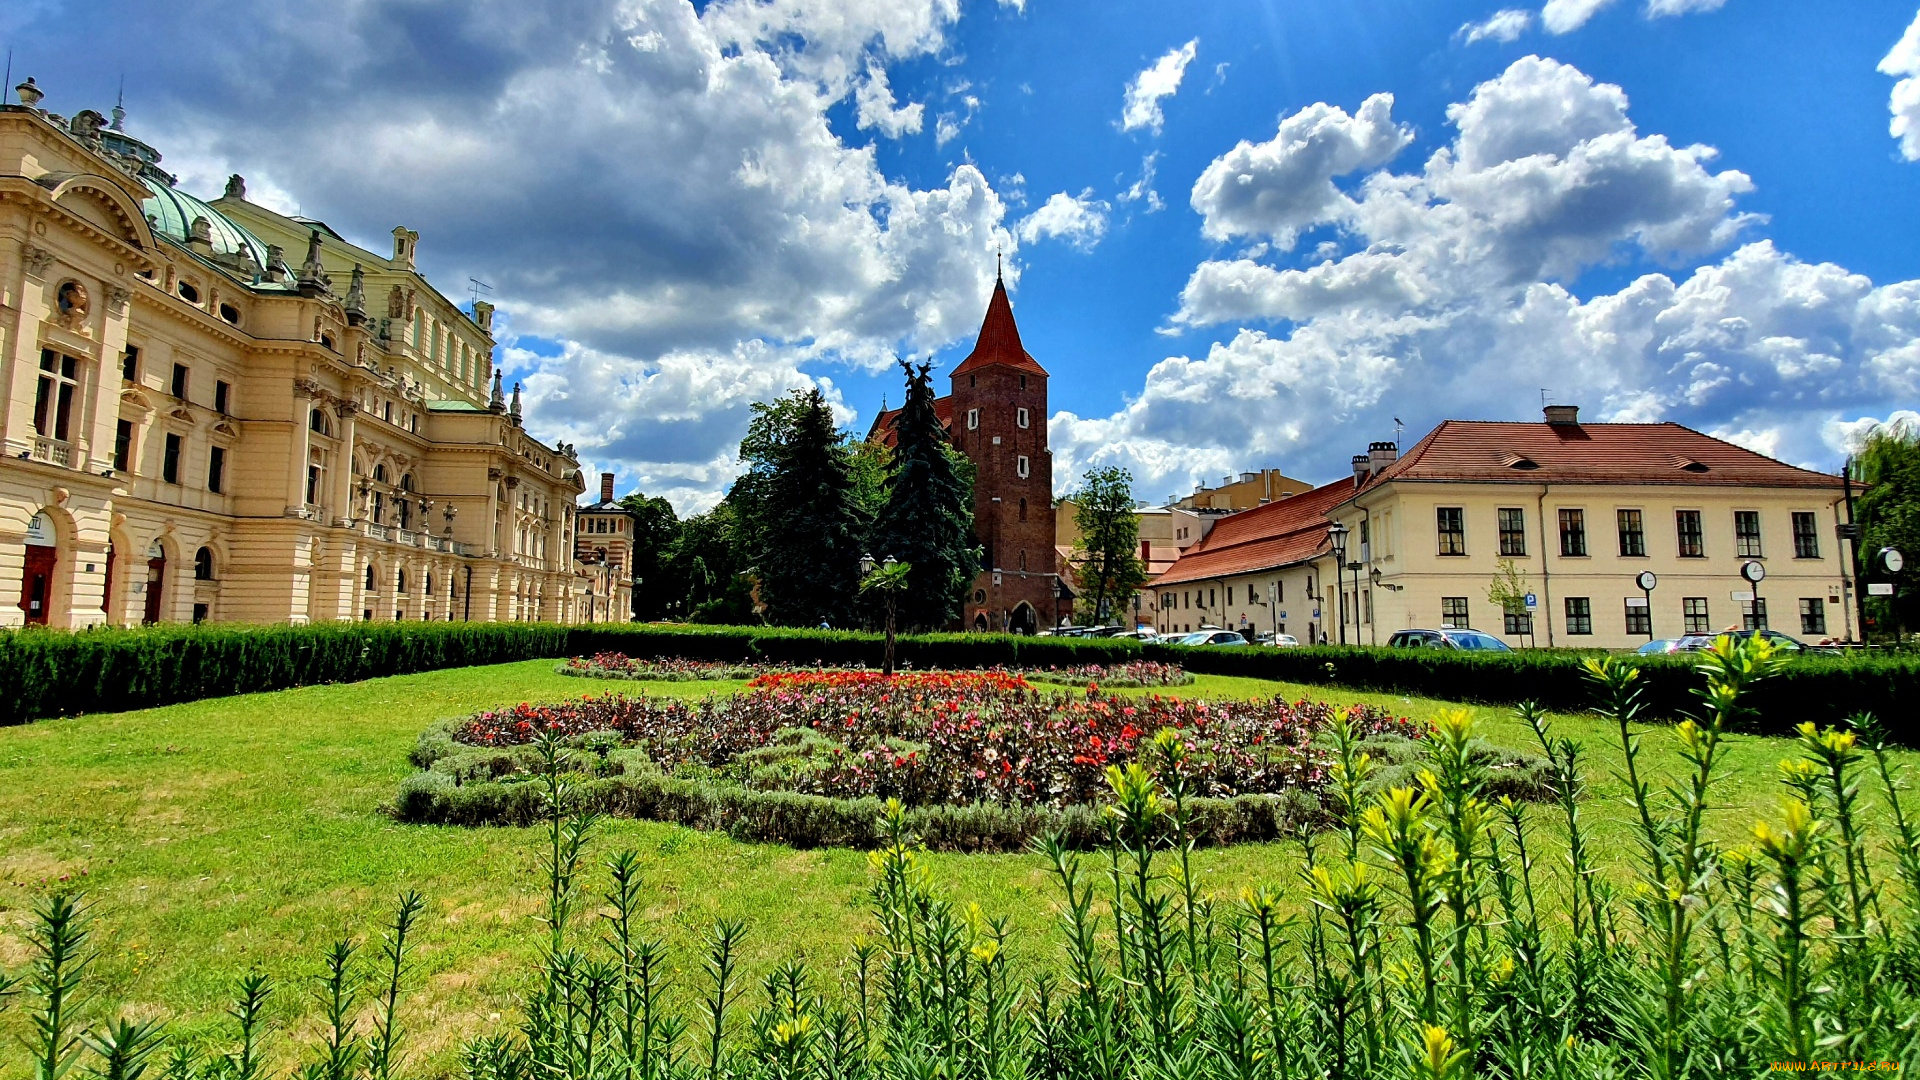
x,y
226,835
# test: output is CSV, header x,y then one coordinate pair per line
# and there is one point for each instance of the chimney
x,y
1380,455
1360,469
606,487
1563,415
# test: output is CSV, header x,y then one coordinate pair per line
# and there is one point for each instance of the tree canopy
x,y
927,521
802,529
655,529
1106,561
1889,513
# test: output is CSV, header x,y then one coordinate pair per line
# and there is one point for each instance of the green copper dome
x,y
171,212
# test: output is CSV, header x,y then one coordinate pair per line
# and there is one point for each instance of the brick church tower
x,y
997,416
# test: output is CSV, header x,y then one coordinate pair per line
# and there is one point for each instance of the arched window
x,y
203,565
1023,509
370,576
400,580
429,589
317,420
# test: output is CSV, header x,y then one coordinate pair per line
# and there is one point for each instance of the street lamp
x,y
1754,573
1647,580
888,578
1337,538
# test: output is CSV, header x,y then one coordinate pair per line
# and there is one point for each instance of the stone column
x,y
341,507
298,446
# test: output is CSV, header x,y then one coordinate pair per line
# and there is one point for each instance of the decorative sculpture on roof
x,y
72,301
498,402
313,276
236,187
86,125
514,409
356,305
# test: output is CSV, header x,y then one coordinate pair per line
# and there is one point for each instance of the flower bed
x,y
617,665
983,759
1137,674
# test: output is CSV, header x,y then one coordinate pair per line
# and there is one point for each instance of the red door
x,y
156,581
36,588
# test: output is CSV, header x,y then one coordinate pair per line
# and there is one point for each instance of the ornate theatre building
x,y
213,411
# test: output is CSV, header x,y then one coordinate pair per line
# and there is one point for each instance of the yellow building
x,y
604,548
1567,513
1244,492
213,411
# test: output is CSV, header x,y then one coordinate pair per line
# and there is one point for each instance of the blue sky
x,y
1338,214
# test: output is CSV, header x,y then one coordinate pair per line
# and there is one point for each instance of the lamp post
x,y
888,578
1647,580
1337,538
1754,573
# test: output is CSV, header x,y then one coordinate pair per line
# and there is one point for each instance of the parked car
x,y
1280,641
1660,645
1466,640
1227,638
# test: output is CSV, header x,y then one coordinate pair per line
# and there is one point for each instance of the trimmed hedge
x,y
55,673
1820,689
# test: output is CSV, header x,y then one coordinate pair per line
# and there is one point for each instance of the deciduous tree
x,y
1106,561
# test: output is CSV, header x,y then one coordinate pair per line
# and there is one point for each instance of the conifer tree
x,y
927,521
801,527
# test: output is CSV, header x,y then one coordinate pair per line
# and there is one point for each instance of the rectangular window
x,y
1020,417
973,419
1573,532
221,390
170,462
53,397
313,485
122,444
1639,617
1813,614
1806,535
1451,522
216,469
130,364
1518,623
1020,467
1513,531
1753,614
180,381
1579,616
1229,596
1693,614
1453,612
1686,525
1633,534
1746,533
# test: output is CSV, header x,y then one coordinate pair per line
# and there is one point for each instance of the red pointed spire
x,y
999,341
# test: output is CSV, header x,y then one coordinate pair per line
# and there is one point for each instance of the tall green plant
x,y
927,521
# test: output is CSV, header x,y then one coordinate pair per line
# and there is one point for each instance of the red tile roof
x,y
999,340
1542,453
882,428
1278,534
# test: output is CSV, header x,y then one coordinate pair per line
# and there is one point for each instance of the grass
x,y
245,833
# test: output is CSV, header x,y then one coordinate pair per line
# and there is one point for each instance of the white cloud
x,y
1158,82
875,108
1504,25
1142,187
1660,8
655,192
1850,436
1566,16
1903,62
1283,185
1078,220
947,127
1449,293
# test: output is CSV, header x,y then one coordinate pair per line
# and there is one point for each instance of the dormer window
x,y
1020,417
1692,466
973,419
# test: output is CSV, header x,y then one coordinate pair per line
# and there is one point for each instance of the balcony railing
x,y
52,451
407,538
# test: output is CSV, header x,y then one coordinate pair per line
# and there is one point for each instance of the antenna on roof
x,y
1397,428
477,285
9,77
1543,396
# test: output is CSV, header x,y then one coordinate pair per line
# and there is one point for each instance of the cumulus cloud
x,y
1566,16
875,108
1903,63
655,188
1504,25
1079,220
1659,8
1451,293
1158,82
1283,185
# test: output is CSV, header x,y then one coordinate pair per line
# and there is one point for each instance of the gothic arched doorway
x,y
1024,621
980,623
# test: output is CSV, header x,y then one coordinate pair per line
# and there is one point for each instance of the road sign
x,y
1532,601
1879,588
1636,601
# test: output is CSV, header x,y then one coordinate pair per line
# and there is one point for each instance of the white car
x,y
1285,641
